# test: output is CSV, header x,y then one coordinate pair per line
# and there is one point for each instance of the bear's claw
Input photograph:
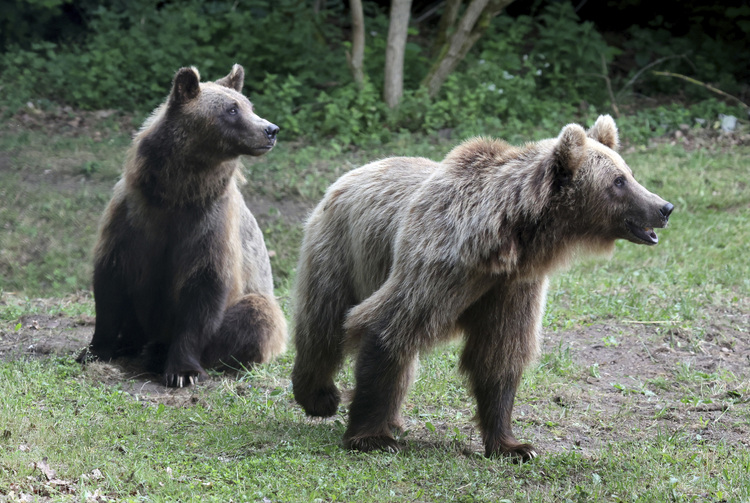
x,y
181,380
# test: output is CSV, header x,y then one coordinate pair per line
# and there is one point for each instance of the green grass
x,y
53,189
245,440
650,438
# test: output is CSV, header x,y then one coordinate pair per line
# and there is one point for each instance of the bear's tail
x,y
253,331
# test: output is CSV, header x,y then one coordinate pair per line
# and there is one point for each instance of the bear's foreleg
x,y
416,308
312,377
253,331
501,332
198,315
323,297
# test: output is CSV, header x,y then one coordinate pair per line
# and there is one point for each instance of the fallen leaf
x,y
43,467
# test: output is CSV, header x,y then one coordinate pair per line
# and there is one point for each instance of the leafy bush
x,y
527,75
706,56
133,49
510,82
643,124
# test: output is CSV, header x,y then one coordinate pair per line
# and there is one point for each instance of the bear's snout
x,y
271,131
666,210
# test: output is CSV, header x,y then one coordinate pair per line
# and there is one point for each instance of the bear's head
x,y
599,188
218,119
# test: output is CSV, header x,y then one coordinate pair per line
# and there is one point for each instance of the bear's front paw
x,y
320,402
372,443
520,453
184,378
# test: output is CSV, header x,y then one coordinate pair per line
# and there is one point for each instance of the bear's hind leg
x,y
253,331
383,378
111,305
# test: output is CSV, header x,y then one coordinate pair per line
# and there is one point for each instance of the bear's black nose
x,y
666,210
271,131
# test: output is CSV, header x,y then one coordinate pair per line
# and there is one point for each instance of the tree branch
x,y
650,65
473,24
703,84
609,87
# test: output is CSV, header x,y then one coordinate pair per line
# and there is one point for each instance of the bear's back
x,y
361,213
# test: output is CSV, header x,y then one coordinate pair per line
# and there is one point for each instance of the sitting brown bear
x,y
180,268
405,253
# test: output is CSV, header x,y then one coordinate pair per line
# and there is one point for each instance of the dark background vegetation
x,y
541,63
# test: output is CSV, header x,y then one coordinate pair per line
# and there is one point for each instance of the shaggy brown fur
x,y
180,267
405,253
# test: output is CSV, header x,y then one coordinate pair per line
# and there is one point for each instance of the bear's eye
x,y
233,111
620,181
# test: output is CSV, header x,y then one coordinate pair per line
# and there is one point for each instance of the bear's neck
x,y
170,175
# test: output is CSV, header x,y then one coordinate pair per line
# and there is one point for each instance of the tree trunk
x,y
357,56
394,52
471,27
447,23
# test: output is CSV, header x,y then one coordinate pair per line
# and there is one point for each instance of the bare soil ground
x,y
633,380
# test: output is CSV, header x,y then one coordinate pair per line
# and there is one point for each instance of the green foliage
x,y
643,124
132,50
570,55
26,21
350,114
511,83
527,74
281,104
697,54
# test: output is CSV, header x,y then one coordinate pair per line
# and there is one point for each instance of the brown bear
x,y
181,272
405,253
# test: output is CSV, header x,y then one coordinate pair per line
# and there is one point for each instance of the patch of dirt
x,y
645,379
43,336
269,209
69,122
630,381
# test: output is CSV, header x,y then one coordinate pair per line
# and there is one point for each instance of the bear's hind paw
x,y
520,453
372,443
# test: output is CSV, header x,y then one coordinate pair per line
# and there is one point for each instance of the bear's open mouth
x,y
643,233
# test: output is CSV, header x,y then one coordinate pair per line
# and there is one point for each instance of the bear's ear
x,y
235,80
605,132
569,152
186,85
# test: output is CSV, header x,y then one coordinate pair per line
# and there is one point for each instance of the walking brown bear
x,y
181,271
405,253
